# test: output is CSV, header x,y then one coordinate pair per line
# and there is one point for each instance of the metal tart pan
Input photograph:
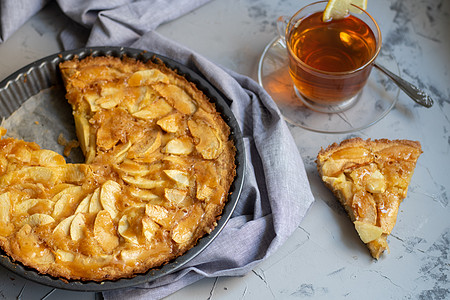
x,y
43,74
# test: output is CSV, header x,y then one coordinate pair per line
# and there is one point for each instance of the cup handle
x,y
282,23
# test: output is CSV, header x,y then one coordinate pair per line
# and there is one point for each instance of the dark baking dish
x,y
43,74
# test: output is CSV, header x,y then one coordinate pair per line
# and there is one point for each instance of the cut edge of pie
x,y
159,163
370,178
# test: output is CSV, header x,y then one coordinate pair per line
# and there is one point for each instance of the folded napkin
x,y
276,193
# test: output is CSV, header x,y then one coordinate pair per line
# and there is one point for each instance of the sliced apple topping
x,y
147,95
108,102
39,219
178,98
32,206
185,228
105,232
20,208
111,95
345,159
94,202
44,175
109,193
63,227
376,183
64,256
98,73
20,154
75,173
368,232
142,183
130,255
204,192
134,97
180,162
83,206
47,158
207,180
30,245
58,188
126,230
364,207
67,190
146,77
209,143
157,109
143,194
132,168
150,143
345,187
83,132
45,257
113,127
77,227
176,196
158,214
149,228
64,199
121,152
171,123
179,177
179,146
354,153
106,139
370,178
5,208
91,97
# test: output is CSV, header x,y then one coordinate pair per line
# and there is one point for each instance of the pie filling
x,y
158,168
370,179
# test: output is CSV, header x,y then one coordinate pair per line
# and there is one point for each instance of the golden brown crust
x,y
159,165
370,178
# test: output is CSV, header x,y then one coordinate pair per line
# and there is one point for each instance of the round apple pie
x,y
159,164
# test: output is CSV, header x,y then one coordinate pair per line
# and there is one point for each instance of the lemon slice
x,y
339,9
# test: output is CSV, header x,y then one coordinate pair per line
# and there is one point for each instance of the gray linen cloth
x,y
276,194
14,14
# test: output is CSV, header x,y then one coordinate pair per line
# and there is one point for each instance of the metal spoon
x,y
412,91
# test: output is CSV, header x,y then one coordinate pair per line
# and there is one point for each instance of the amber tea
x,y
330,62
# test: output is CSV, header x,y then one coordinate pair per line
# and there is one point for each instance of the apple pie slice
x,y
370,178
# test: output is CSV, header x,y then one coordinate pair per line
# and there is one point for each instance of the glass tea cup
x,y
329,62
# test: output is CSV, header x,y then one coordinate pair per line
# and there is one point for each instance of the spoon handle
x,y
411,90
